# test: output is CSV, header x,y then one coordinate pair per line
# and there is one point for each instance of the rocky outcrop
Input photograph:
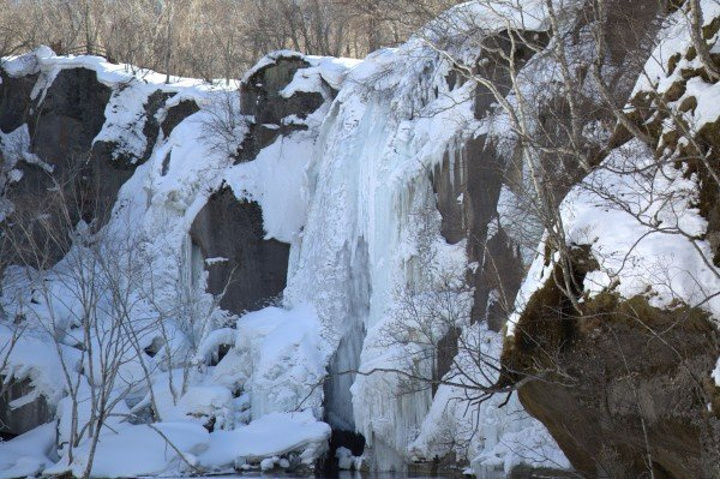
x,y
72,177
18,420
261,94
177,113
62,184
15,100
274,114
622,382
250,271
622,386
65,121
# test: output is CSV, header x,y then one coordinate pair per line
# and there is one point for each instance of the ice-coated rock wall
x,y
399,142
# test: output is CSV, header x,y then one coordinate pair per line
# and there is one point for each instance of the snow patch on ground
x,y
141,450
27,455
272,435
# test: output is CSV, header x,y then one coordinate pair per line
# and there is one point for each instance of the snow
x,y
350,194
346,460
170,448
368,195
274,434
274,179
142,450
280,355
125,120
491,17
372,231
36,358
117,413
214,261
27,455
213,341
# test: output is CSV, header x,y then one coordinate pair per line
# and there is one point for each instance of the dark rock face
x,y
627,408
260,94
260,97
71,115
14,422
176,114
62,128
256,269
502,268
478,174
15,100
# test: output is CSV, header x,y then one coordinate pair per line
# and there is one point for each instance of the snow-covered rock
x,y
161,153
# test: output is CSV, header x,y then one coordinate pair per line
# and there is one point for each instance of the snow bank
x,y
27,455
36,358
143,450
271,436
279,358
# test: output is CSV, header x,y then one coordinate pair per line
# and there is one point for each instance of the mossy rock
x,y
548,321
669,141
673,63
688,73
630,377
675,92
617,376
689,103
709,135
711,29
